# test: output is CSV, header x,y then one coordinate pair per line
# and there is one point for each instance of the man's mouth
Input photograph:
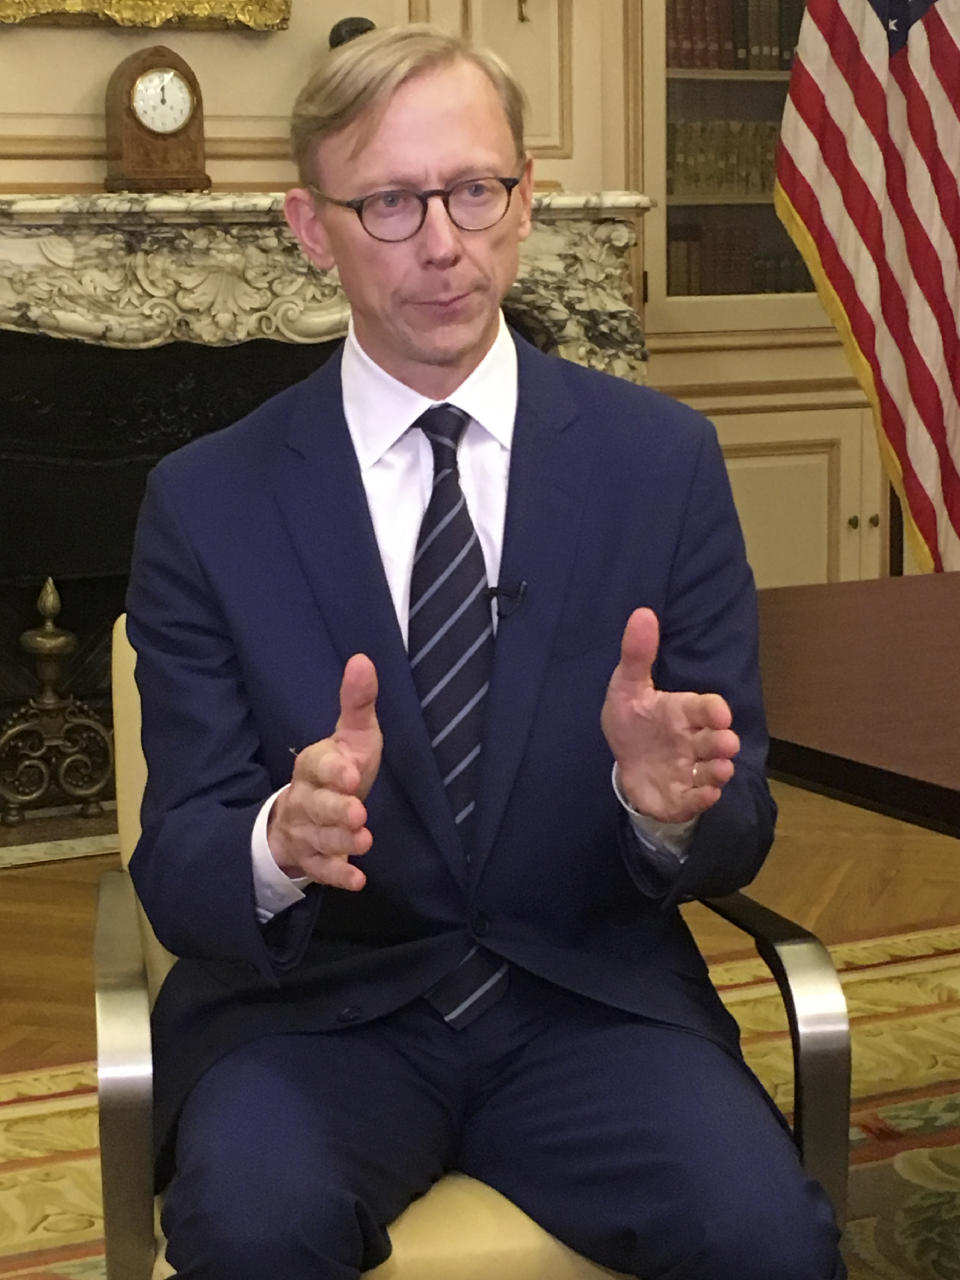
x,y
448,300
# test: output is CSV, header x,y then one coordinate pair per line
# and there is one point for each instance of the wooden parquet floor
x,y
844,872
46,962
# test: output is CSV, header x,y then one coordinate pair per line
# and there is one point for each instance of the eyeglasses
x,y
472,205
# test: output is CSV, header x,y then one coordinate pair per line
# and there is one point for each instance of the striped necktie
x,y
450,630
450,642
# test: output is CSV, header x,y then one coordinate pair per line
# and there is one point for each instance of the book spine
x,y
725,29
741,136
708,259
755,34
699,26
773,28
672,43
712,30
678,258
723,271
741,33
680,158
684,33
698,157
726,158
791,15
693,262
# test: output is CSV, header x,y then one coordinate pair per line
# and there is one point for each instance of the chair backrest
x,y
131,768
131,777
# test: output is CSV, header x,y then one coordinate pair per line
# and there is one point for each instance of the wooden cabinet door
x,y
798,482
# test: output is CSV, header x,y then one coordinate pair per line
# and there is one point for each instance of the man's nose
x,y
439,235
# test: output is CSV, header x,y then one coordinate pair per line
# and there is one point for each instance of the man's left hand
x,y
674,751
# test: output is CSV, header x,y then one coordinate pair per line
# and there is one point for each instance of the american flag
x,y
867,185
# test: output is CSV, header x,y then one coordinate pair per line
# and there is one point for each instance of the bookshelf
x,y
716,76
723,121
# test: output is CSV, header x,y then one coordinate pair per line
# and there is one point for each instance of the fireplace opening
x,y
81,425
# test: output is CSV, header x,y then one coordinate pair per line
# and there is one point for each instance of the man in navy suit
x,y
299,850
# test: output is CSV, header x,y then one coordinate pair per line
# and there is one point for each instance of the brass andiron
x,y
53,742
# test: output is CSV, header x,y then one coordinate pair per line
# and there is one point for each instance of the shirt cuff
x,y
273,889
657,837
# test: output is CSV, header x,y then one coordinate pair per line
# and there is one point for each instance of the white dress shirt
x,y
396,465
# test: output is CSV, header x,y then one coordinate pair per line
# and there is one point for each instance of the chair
x,y
460,1230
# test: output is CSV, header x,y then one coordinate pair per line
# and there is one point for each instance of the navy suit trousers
x,y
647,1148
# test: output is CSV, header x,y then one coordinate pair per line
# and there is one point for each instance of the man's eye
x,y
389,201
478,190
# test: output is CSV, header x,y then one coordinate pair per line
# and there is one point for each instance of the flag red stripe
x,y
944,56
865,214
924,259
807,206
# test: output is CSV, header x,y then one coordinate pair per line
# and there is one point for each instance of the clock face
x,y
162,100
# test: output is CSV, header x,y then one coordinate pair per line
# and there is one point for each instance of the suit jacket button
x,y
350,1014
480,924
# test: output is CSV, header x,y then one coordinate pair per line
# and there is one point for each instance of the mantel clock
x,y
154,125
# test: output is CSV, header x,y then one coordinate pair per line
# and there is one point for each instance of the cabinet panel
x,y
796,480
535,39
785,499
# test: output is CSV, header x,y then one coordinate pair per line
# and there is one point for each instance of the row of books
x,y
721,259
742,35
721,157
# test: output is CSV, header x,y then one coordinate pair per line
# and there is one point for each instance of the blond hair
x,y
359,78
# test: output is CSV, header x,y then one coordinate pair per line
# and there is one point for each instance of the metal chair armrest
x,y
819,1033
125,1081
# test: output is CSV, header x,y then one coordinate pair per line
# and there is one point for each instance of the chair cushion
x,y
464,1230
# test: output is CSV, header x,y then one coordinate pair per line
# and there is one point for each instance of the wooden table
x,y
862,686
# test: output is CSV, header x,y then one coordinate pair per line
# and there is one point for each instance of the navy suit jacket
x,y
256,575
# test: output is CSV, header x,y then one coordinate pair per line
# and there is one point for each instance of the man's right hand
x,y
319,821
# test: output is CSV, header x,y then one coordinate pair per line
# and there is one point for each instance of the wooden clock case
x,y
138,159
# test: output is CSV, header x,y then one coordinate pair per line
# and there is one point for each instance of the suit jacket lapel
x,y
323,506
550,466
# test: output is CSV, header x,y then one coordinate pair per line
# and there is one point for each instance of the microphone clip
x,y
507,599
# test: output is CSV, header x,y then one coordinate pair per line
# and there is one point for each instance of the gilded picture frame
x,y
256,15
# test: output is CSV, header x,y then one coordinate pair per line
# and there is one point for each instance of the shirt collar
x,y
379,409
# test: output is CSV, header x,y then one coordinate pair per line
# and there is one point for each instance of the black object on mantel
x,y
348,29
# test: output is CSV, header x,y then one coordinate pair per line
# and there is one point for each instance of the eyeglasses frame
x,y
424,197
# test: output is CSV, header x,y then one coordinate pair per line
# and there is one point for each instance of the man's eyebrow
x,y
463,174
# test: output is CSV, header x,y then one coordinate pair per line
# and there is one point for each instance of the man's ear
x,y
303,218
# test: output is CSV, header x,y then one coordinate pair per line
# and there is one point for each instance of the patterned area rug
x,y
904,1221
51,1223
903,994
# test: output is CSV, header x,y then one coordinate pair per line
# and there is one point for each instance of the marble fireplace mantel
x,y
137,271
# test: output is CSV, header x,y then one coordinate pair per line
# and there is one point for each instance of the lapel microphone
x,y
508,599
